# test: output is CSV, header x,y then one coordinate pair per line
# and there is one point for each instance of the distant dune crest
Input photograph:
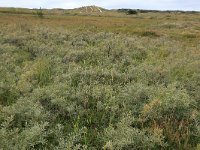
x,y
90,9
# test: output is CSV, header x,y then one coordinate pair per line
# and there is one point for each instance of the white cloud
x,y
135,4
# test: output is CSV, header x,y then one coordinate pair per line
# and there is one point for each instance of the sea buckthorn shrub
x,y
63,89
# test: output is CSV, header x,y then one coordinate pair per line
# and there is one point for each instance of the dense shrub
x,y
124,136
72,89
40,13
131,12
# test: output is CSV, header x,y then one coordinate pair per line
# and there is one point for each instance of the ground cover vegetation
x,y
114,82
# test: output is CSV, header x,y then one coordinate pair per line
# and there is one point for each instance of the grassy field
x,y
112,81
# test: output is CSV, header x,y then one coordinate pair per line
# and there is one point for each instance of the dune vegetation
x,y
104,80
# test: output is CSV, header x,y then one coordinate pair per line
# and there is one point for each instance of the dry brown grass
x,y
178,26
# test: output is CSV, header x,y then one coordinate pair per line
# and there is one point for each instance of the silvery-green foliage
x,y
73,89
134,96
124,136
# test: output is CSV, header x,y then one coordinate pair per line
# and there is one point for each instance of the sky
x,y
109,4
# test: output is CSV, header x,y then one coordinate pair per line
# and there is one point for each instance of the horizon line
x,y
49,8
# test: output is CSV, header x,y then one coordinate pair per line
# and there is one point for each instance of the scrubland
x,y
116,82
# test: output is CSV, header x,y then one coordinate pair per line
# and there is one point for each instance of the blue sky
x,y
110,4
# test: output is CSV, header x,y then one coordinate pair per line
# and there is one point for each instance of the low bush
x,y
132,12
63,87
